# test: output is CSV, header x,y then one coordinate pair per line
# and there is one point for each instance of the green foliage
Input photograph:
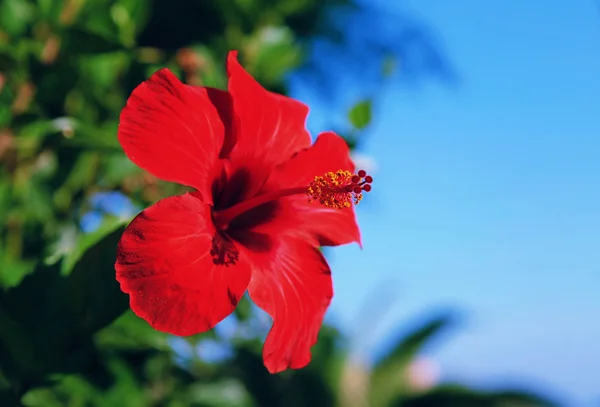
x,y
49,319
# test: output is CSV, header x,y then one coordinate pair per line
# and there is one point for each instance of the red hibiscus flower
x,y
187,260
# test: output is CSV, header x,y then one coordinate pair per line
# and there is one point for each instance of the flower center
x,y
337,190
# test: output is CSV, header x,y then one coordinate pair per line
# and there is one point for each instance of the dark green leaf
x,y
97,298
79,41
455,395
36,324
48,319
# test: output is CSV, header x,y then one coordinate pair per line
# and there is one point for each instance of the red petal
x,y
222,101
292,283
269,127
304,220
174,130
170,262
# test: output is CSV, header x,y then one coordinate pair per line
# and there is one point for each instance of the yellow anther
x,y
340,189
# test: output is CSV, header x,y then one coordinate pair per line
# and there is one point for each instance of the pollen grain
x,y
340,189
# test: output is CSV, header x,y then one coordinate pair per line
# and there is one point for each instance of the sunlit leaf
x,y
360,114
15,16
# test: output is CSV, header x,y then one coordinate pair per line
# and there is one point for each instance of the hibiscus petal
x,y
182,276
295,215
175,131
222,101
269,127
292,283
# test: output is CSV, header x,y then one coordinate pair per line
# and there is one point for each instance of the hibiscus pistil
x,y
336,190
340,189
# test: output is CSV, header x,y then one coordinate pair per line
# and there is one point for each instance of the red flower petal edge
x,y
265,201
292,283
269,127
173,131
176,267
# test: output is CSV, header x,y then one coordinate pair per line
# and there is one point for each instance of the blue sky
x,y
486,198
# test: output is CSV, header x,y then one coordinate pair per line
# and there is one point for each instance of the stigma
x,y
340,189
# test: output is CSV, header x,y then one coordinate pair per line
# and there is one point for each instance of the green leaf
x,y
243,311
97,298
410,345
360,114
35,325
15,15
48,320
456,395
99,138
132,332
80,41
100,237
520,398
391,370
13,270
5,115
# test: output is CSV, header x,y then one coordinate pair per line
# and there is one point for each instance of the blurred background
x,y
477,284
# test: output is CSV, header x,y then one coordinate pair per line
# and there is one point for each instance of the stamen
x,y
339,189
335,190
